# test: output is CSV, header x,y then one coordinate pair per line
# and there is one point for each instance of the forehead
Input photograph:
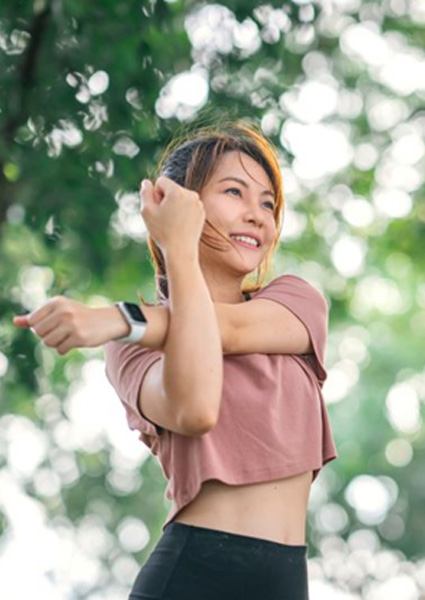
x,y
230,165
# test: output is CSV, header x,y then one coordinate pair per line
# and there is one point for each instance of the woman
x,y
239,437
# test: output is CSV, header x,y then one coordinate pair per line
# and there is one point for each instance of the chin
x,y
245,268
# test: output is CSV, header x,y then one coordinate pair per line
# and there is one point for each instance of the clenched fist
x,y
63,324
174,215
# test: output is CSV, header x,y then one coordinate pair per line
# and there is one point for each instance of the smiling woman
x,y
244,214
204,160
228,396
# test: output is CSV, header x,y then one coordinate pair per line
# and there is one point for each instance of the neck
x,y
224,288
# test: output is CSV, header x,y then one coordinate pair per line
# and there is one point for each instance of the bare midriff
x,y
274,510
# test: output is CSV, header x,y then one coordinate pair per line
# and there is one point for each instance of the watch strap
x,y
137,329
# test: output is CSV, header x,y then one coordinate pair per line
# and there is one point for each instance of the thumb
x,y
21,320
158,194
156,190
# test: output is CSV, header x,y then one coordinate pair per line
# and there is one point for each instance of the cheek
x,y
220,210
271,232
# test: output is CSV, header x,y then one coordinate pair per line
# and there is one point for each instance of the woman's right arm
x,y
193,353
140,378
192,377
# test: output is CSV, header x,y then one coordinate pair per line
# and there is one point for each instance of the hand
x,y
63,324
174,215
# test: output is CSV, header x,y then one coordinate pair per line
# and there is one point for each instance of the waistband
x,y
176,529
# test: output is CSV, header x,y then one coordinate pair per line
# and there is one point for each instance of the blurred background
x,y
90,93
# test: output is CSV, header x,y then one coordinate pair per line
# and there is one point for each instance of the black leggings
x,y
198,563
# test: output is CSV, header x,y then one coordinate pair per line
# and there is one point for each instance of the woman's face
x,y
239,199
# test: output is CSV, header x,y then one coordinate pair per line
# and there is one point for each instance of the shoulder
x,y
293,285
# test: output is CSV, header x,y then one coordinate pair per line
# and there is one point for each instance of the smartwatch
x,y
135,319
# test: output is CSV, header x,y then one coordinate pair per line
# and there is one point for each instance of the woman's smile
x,y
246,244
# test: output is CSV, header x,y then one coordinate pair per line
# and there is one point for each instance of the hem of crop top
x,y
271,473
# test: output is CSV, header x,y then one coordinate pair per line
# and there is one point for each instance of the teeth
x,y
244,238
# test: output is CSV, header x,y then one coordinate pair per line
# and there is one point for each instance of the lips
x,y
246,245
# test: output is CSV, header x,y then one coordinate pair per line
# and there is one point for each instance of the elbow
x,y
197,425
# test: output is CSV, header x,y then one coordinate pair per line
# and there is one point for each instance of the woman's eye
x,y
271,204
233,189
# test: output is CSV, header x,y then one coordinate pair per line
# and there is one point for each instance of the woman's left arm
x,y
255,326
64,324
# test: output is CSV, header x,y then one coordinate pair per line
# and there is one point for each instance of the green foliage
x,y
63,178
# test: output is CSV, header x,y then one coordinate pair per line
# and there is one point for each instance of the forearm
x,y
158,318
193,353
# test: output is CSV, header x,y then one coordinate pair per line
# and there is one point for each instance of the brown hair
x,y
190,160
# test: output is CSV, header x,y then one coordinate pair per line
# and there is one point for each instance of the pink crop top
x,y
273,421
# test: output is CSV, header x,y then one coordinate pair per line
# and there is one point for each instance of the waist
x,y
272,510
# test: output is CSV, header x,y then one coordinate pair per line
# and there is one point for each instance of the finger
x,y
165,186
166,183
66,345
21,320
56,337
158,194
45,326
40,313
146,194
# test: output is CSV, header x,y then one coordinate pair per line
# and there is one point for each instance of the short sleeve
x,y
126,365
311,307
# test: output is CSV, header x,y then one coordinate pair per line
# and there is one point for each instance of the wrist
x,y
178,254
114,321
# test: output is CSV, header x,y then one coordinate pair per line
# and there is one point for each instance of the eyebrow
x,y
244,183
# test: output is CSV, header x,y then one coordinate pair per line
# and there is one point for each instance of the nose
x,y
255,214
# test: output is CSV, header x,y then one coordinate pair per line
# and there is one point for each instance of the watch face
x,y
135,312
